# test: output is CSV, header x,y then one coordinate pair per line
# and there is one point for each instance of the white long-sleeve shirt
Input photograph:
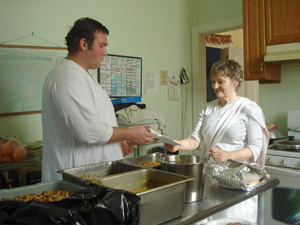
x,y
77,117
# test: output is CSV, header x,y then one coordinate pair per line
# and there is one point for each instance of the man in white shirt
x,y
79,123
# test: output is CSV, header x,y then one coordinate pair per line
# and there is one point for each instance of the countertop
x,y
194,212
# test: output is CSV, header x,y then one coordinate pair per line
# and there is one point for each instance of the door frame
x,y
199,33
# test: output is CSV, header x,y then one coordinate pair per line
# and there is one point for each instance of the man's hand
x,y
139,135
126,149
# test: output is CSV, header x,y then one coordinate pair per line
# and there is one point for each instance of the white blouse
x,y
238,124
243,132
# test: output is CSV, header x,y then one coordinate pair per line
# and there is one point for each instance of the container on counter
x,y
33,177
162,193
85,174
189,165
40,187
9,179
145,161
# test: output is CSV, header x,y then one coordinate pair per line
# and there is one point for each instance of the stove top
x,y
286,153
283,158
289,158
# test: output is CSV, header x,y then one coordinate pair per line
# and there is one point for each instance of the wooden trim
x,y
34,47
20,113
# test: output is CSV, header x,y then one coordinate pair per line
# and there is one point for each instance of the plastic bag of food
x,y
236,175
90,206
11,150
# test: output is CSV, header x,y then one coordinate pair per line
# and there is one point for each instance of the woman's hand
x,y
185,144
220,155
126,149
172,148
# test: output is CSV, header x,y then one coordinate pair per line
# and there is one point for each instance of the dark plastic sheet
x,y
92,205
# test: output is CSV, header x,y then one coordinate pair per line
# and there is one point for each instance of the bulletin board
x,y
23,70
121,76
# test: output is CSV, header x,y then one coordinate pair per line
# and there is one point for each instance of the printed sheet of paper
x,y
164,77
174,89
150,82
163,138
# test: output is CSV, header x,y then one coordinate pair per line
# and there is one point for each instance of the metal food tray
x,y
40,187
163,201
138,161
85,174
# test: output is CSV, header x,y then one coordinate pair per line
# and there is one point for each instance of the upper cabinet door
x,y
254,39
282,21
255,44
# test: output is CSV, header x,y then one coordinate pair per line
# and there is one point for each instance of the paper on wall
x,y
174,89
150,82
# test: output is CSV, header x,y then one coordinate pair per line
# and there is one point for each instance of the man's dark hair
x,y
83,28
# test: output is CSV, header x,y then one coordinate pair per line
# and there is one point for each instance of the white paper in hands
x,y
163,138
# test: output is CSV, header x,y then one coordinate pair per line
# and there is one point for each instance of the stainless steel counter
x,y
194,212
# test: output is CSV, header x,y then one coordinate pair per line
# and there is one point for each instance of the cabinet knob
x,y
262,68
284,162
270,160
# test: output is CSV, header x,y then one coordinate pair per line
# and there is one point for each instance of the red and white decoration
x,y
219,41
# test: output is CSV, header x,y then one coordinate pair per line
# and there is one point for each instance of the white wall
x,y
158,31
277,99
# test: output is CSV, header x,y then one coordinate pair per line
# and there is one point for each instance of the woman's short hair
x,y
230,68
83,28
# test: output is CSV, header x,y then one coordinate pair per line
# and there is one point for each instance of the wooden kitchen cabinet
x,y
282,21
254,26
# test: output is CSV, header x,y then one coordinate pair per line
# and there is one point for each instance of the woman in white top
x,y
230,127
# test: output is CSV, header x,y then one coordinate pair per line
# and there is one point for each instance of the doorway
x,y
199,59
212,55
220,46
199,70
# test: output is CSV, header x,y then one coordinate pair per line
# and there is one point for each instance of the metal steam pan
x,y
85,174
162,193
140,161
40,187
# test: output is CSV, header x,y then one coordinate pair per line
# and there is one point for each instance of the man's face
x,y
97,50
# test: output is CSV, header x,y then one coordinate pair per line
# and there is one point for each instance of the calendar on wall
x,y
121,76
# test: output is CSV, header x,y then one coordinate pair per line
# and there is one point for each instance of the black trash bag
x,y
92,205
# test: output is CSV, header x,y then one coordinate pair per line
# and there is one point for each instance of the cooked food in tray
x,y
90,176
150,160
150,163
45,196
142,189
